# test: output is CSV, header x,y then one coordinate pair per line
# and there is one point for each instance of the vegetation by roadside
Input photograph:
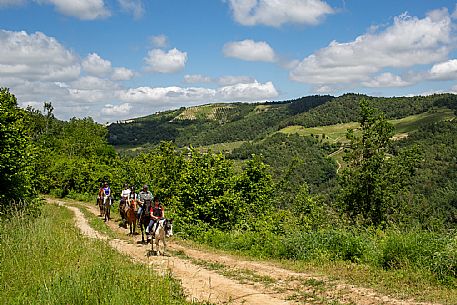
x,y
46,261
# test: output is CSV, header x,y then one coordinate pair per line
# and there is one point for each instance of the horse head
x,y
168,225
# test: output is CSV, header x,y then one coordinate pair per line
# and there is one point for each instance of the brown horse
x,y
131,216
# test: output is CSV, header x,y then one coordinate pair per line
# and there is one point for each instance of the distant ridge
x,y
228,122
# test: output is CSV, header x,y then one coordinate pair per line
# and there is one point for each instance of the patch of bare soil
x,y
225,279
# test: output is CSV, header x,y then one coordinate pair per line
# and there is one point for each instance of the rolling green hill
x,y
234,122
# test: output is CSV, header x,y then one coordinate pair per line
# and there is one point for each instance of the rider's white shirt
x,y
126,193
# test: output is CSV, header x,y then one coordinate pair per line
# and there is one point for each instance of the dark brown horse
x,y
145,217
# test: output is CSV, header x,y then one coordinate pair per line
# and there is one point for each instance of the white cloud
x,y
197,78
121,109
122,74
135,7
386,80
165,62
93,83
95,65
254,91
233,80
82,9
36,57
250,50
248,92
159,41
409,41
444,71
38,68
275,13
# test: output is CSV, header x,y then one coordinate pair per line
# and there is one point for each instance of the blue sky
x,y
119,59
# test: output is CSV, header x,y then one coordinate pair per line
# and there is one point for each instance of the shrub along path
x,y
224,279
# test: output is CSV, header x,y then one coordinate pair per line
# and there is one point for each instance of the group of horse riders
x,y
147,204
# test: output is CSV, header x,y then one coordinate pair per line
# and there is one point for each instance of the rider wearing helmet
x,y
143,196
106,192
125,194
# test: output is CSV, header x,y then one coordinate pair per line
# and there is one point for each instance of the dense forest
x,y
277,194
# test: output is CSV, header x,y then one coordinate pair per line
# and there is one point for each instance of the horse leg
x,y
164,245
156,242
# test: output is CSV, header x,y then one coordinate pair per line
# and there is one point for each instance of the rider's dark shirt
x,y
157,211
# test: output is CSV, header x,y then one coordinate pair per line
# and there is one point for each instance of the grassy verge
x,y
418,265
47,261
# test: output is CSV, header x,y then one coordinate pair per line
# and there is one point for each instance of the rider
x,y
156,215
106,192
144,195
125,194
132,194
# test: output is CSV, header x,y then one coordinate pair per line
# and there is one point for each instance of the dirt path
x,y
224,279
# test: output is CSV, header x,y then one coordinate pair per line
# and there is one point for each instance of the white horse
x,y
163,229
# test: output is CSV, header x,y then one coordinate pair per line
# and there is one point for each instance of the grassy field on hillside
x,y
47,261
337,133
222,147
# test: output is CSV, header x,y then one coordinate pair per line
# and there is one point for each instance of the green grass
x,y
337,133
222,147
332,133
413,122
47,261
419,265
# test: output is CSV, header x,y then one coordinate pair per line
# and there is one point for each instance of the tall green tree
x,y
374,177
16,153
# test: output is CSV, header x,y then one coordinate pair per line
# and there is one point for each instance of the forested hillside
x,y
212,124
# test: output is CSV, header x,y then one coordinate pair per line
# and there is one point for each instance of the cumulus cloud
x,y
122,74
248,92
386,80
134,7
276,13
36,57
165,62
254,91
38,68
93,83
159,41
445,70
82,9
409,41
249,50
122,109
95,65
